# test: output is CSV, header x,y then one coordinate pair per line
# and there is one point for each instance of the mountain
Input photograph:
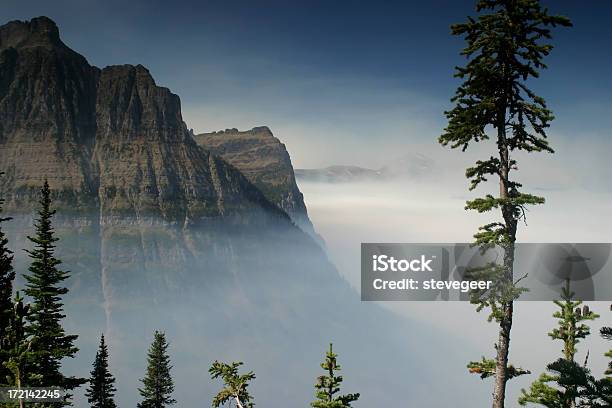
x,y
264,160
107,140
338,174
409,166
161,233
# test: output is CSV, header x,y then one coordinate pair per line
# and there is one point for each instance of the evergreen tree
x,y
328,385
158,385
604,386
16,344
506,45
235,385
101,390
7,275
567,381
599,395
44,285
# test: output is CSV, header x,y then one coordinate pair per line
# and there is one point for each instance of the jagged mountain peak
x,y
131,105
39,31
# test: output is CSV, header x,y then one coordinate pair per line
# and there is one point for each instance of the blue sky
x,y
333,79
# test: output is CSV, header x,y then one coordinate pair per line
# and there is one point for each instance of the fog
x,y
266,295
262,292
430,209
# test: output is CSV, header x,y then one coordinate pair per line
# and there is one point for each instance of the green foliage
x,y
328,385
502,290
235,386
486,368
599,395
571,382
506,46
566,381
571,328
49,344
101,390
16,346
158,385
7,275
609,370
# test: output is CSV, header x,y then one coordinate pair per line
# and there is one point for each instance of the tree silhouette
x,y
7,276
50,345
158,385
101,390
506,45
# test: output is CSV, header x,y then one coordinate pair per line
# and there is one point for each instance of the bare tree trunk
x,y
501,362
238,402
503,343
505,324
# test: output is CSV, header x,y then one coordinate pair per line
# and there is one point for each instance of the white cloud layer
x,y
431,210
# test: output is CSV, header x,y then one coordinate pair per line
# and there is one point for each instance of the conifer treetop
x,y
328,385
158,384
565,382
101,390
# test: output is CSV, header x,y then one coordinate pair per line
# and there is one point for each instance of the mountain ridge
x,y
408,166
107,140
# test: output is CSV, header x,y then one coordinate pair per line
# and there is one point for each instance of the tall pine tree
x,y
44,285
235,386
328,385
7,275
506,45
158,385
101,390
567,380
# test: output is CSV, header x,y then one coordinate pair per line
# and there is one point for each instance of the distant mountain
x,y
410,166
338,174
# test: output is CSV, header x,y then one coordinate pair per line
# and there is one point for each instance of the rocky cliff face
x,y
264,160
108,140
142,208
147,161
47,116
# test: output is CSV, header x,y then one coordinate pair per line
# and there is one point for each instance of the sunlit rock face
x,y
143,211
264,160
122,167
